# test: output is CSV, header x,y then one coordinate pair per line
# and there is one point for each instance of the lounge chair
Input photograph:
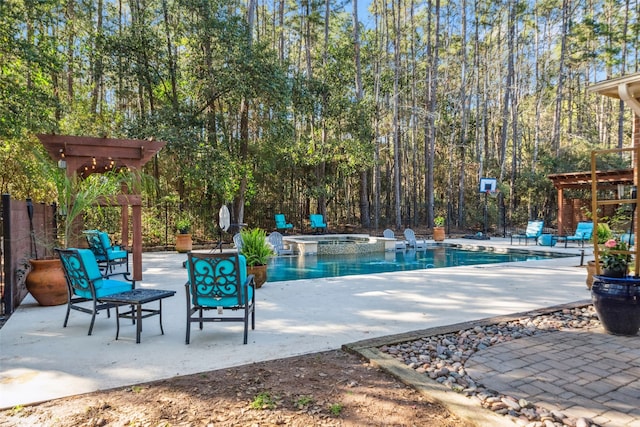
x,y
275,239
533,231
107,255
583,233
282,224
237,241
317,223
412,242
400,244
219,283
85,283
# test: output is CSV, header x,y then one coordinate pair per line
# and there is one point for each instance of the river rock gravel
x,y
442,358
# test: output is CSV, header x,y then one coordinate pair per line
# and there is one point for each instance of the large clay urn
x,y
46,282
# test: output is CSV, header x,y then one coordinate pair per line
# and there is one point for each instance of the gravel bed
x,y
442,358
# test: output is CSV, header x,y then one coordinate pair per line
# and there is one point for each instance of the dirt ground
x,y
331,388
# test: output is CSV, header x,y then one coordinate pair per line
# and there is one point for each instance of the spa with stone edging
x,y
337,244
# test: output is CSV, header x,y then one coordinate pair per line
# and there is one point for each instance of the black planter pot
x,y
619,272
617,303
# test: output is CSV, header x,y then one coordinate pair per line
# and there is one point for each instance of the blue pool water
x,y
312,266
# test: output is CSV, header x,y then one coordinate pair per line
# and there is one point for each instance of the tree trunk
x,y
430,122
365,216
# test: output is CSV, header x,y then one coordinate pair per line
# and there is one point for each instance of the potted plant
x,y
615,295
438,229
614,263
184,242
257,251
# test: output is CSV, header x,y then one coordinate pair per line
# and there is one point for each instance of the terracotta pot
x,y
46,282
438,234
591,271
260,274
183,243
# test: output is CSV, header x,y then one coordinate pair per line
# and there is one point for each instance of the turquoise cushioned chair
x,y
583,233
107,255
282,224
85,283
219,283
533,231
317,223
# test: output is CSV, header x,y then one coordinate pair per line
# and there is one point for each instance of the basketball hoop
x,y
488,186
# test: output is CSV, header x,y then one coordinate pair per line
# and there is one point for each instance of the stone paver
x,y
594,375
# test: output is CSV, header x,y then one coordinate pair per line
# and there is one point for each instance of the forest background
x,y
280,106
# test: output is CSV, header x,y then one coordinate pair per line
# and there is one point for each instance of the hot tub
x,y
336,244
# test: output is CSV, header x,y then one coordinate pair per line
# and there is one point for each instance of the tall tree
x,y
433,46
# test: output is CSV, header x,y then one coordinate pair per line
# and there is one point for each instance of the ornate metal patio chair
x,y
107,255
85,283
219,283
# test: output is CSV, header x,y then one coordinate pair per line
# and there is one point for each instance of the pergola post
x,y
560,212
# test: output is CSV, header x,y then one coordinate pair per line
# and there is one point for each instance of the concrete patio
x,y
41,360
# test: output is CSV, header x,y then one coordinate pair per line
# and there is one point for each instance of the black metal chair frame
x,y
203,283
80,275
102,253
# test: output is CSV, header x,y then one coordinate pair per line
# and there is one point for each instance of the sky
x,y
363,13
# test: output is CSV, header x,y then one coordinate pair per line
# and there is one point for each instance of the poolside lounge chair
x,y
317,223
275,239
533,231
219,283
237,241
107,255
85,283
583,233
410,237
400,244
281,223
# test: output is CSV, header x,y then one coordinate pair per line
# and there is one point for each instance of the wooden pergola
x,y
84,156
582,181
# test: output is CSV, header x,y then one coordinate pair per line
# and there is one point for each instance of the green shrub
x,y
255,246
604,232
263,401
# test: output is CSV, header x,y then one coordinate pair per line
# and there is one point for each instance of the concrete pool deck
x,y
41,360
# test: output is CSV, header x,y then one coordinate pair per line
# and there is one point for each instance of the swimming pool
x,y
313,266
